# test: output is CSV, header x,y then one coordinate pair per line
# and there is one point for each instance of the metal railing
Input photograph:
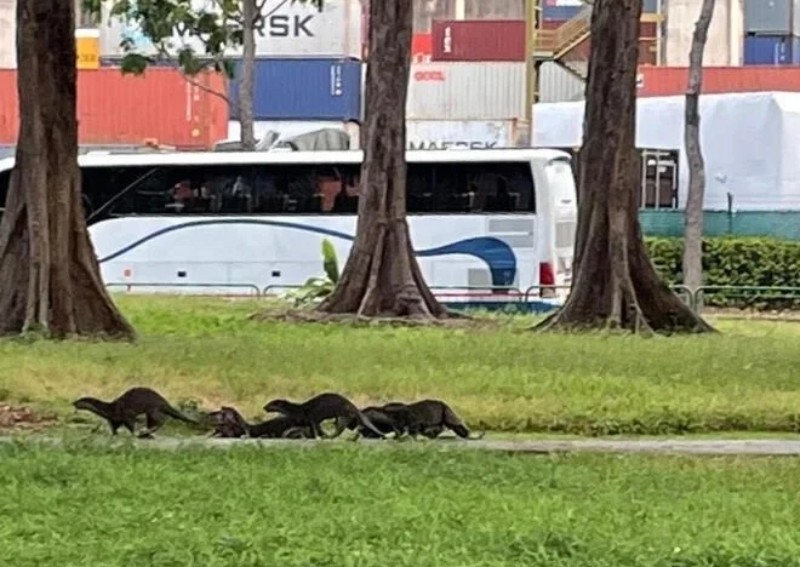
x,y
240,286
744,296
566,36
696,299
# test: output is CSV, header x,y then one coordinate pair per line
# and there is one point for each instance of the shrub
x,y
740,262
317,289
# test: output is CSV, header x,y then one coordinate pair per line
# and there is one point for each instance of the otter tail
x,y
366,422
458,427
172,412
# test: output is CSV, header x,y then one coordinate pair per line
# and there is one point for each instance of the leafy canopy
x,y
194,35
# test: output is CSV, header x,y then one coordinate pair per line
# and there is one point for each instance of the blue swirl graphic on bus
x,y
497,255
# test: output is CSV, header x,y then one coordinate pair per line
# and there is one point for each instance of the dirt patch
x,y
22,418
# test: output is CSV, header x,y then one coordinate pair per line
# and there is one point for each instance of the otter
x,y
315,410
428,418
229,423
124,410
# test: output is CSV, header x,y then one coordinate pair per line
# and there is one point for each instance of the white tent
x,y
750,141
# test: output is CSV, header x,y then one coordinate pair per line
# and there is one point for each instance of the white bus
x,y
482,222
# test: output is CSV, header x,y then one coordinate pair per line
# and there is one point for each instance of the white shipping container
x,y
466,91
465,134
292,29
556,84
8,34
724,46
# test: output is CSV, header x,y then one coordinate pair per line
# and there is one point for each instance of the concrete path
x,y
665,446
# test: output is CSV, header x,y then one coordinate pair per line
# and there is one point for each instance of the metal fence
x,y
757,297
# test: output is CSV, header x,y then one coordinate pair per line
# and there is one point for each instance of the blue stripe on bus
x,y
497,255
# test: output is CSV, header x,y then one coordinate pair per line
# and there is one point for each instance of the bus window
x,y
470,188
168,190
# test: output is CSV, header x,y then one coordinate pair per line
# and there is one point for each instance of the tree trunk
x,y
247,85
693,235
616,285
49,277
382,276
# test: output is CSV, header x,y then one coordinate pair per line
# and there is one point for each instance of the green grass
x,y
344,506
510,379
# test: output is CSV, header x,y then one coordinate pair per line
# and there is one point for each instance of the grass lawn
x,y
345,505
510,379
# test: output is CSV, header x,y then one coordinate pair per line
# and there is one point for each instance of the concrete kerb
x,y
731,447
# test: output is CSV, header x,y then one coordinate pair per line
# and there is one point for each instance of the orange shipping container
x,y
123,109
668,81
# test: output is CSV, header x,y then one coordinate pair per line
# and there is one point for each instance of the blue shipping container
x,y
771,50
303,89
559,13
552,11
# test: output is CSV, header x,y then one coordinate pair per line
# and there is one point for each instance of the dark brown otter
x,y
427,417
124,410
314,411
229,423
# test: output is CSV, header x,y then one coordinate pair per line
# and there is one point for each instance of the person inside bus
x,y
328,188
346,201
182,196
239,197
502,201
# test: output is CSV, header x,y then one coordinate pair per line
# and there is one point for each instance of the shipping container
x,y
113,108
466,91
290,29
8,34
465,134
724,42
669,81
303,89
772,17
653,6
494,10
486,40
556,84
771,50
566,9
426,11
560,9
421,47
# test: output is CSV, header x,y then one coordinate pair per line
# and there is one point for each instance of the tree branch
x,y
192,81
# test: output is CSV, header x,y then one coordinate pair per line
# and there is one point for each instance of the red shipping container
x,y
160,106
478,40
421,48
667,81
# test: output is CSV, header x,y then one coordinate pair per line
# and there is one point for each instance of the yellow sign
x,y
87,46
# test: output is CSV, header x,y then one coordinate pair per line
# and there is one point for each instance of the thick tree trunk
x,y
693,228
49,277
616,286
247,86
382,276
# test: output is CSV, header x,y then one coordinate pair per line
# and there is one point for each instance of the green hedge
x,y
737,261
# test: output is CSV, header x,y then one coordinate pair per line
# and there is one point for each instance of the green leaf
x,y
330,262
134,64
